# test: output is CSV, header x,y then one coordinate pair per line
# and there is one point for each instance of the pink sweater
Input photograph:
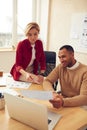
x,y
73,84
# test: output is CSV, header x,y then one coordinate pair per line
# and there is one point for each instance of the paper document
x,y
3,81
11,83
42,95
7,90
8,81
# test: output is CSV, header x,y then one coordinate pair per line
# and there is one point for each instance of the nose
x,y
61,60
32,36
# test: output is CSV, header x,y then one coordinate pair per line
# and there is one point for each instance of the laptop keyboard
x,y
49,121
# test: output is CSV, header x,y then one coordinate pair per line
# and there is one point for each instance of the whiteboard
x,y
79,31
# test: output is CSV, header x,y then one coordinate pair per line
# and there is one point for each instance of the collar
x,y
74,66
33,45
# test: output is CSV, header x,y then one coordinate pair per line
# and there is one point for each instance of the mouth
x,y
32,41
64,64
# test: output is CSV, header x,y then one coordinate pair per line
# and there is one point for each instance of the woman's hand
x,y
34,78
40,79
29,77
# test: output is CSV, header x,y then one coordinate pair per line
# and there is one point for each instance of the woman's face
x,y
33,35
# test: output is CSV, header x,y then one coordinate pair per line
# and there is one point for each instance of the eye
x,y
35,34
62,57
29,34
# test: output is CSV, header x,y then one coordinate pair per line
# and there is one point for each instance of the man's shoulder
x,y
82,65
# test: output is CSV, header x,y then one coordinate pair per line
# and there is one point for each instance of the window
x,y
14,15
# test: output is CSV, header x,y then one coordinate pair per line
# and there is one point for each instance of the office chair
x,y
50,61
50,64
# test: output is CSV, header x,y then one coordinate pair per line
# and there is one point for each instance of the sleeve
x,y
53,76
51,79
80,99
19,57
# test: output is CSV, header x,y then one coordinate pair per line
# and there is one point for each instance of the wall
x,y
61,22
60,19
6,60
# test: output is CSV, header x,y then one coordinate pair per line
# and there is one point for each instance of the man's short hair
x,y
67,47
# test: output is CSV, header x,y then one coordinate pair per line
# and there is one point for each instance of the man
x,y
72,76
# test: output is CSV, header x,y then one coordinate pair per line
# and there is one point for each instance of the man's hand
x,y
57,100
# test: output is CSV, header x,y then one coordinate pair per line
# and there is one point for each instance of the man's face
x,y
66,58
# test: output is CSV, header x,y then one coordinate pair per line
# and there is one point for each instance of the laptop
x,y
31,113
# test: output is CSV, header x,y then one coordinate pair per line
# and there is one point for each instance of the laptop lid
x,y
30,113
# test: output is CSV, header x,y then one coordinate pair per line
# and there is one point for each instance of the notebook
x,y
31,113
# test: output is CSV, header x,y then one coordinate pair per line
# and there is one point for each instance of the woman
x,y
29,55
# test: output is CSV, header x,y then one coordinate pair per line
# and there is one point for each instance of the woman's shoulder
x,y
23,43
39,41
39,44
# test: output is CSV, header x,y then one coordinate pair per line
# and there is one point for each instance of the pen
x,y
21,96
